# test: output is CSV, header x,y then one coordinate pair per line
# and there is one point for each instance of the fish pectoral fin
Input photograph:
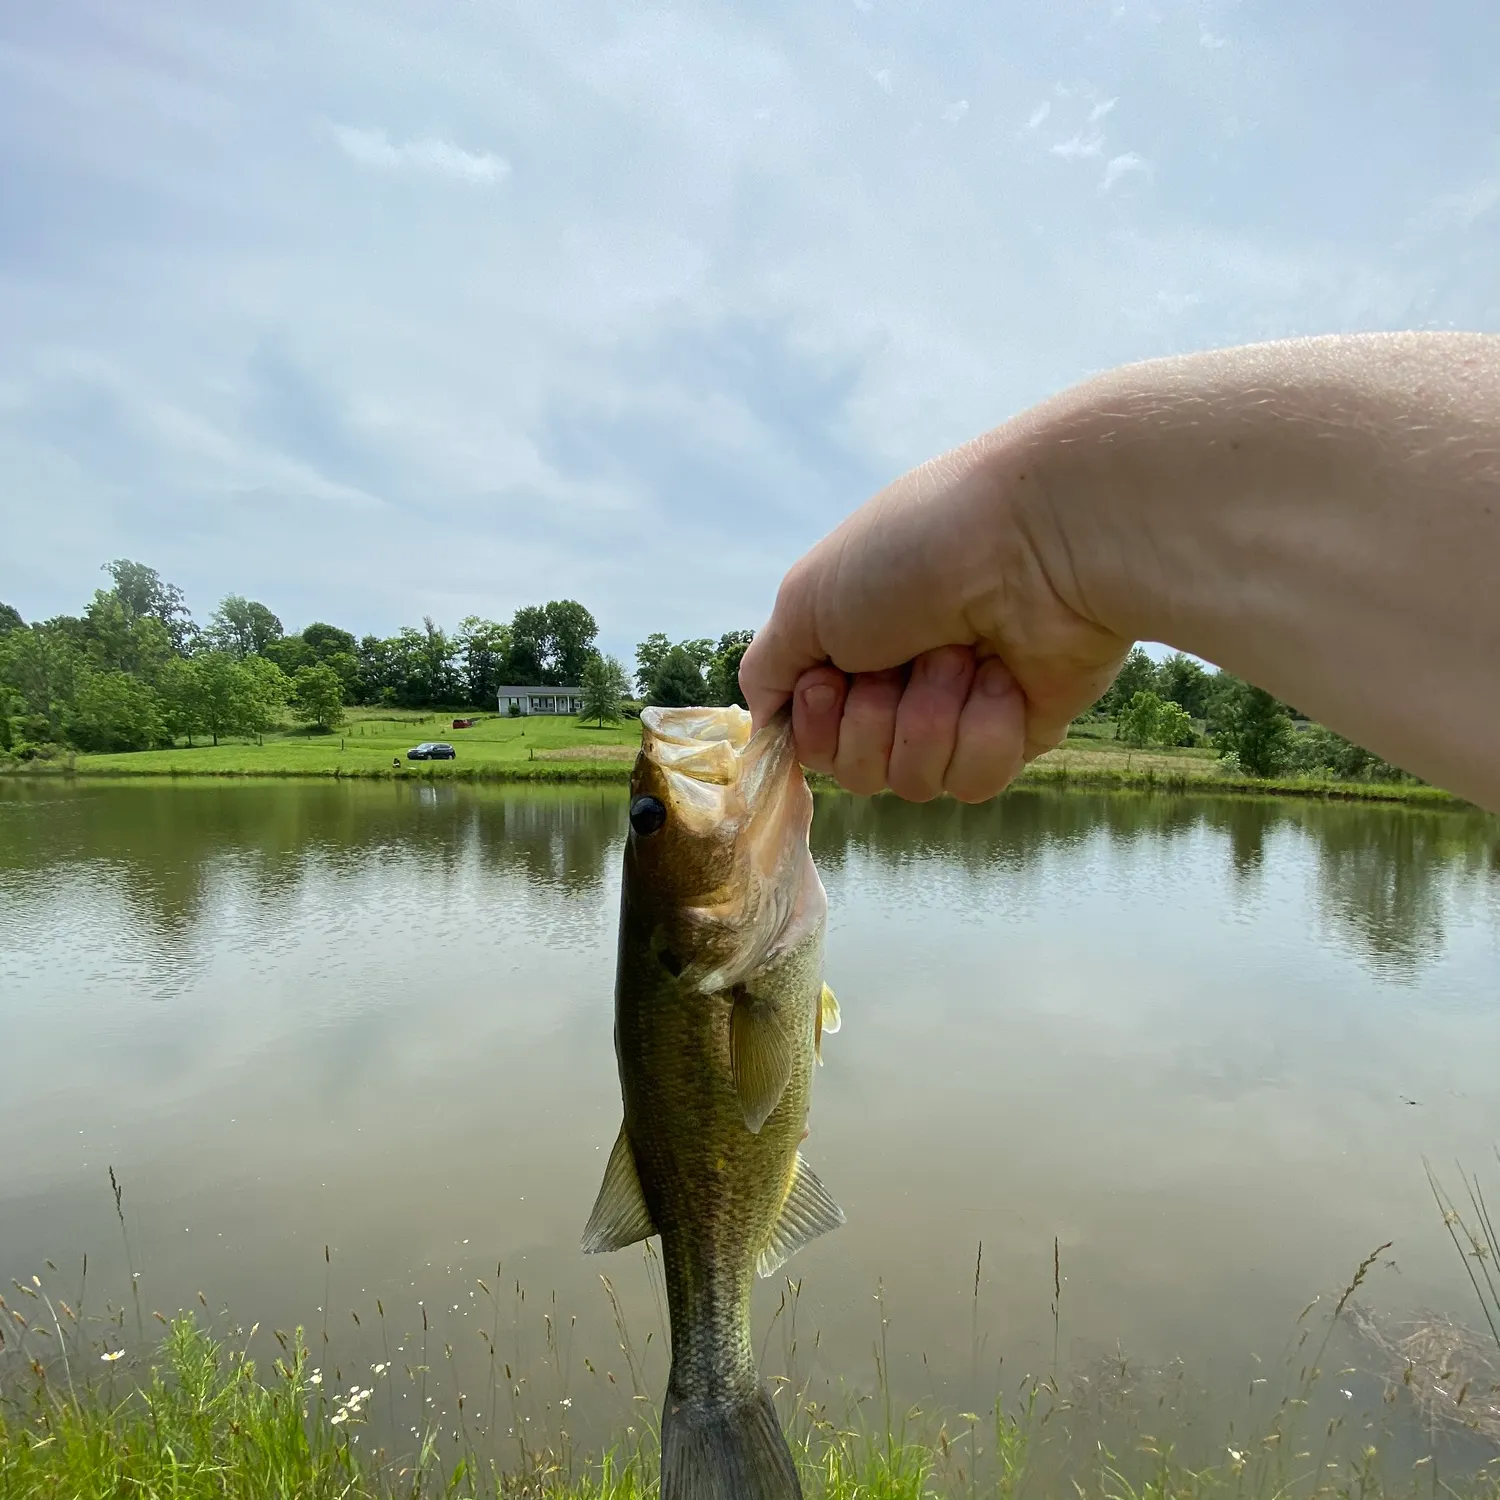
x,y
620,1215
829,1019
760,1054
809,1211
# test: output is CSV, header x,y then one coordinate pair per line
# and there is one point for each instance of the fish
x,y
720,1013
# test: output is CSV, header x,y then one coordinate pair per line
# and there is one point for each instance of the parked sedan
x,y
432,750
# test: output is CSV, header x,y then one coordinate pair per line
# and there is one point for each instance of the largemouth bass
x,y
720,1007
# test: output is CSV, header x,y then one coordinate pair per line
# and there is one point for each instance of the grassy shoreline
x,y
373,745
1040,774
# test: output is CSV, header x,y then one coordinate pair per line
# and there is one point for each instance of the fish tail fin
x,y
725,1451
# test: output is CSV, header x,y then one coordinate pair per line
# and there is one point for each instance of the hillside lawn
x,y
373,743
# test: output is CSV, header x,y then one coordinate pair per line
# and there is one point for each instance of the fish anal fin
x,y
829,1019
620,1215
760,1054
809,1211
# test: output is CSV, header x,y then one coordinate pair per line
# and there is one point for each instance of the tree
x,y
236,697
10,618
605,686
114,640
113,711
524,666
1174,726
184,710
141,590
483,651
1182,680
243,627
41,663
318,696
571,632
649,656
724,669
1255,728
1137,674
679,682
327,641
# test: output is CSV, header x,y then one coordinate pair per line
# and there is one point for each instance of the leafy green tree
x,y
1317,749
1138,719
649,656
114,640
1182,680
237,697
571,633
41,663
605,686
183,699
483,648
724,669
1174,726
243,627
526,662
142,591
679,681
377,670
327,641
318,696
1137,674
291,653
113,711
1256,729
10,618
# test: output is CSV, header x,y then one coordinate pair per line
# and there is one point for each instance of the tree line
x,y
135,671
1178,702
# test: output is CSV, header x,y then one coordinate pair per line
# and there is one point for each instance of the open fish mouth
x,y
744,789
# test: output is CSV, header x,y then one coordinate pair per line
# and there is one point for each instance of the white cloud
x,y
882,78
956,111
1079,147
1102,108
374,148
1038,115
1122,166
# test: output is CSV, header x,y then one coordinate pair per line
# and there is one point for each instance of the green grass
x,y
374,743
199,1416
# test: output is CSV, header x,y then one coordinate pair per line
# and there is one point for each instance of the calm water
x,y
1204,1044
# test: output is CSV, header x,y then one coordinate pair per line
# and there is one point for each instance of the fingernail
x,y
819,698
995,679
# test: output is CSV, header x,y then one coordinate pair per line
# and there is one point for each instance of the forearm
x,y
1321,517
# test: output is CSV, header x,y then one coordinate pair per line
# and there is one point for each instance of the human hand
x,y
934,641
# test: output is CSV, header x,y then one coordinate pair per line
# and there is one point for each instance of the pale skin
x,y
1320,516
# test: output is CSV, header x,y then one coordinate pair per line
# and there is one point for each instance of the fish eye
x,y
647,814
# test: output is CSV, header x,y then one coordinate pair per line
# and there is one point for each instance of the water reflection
x,y
1385,875
1174,1033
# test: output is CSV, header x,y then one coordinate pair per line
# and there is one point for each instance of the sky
x,y
371,310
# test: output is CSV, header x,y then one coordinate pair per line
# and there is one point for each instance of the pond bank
x,y
557,771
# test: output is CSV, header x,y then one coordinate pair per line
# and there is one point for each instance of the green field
x,y
374,742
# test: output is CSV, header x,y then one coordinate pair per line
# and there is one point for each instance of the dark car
x,y
432,750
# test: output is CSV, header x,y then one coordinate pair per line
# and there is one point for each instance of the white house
x,y
539,700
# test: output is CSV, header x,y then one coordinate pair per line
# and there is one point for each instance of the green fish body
x,y
719,1011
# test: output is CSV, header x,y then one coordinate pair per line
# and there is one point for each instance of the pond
x,y
1187,1055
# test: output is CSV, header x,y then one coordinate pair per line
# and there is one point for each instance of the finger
x,y
927,721
785,647
991,735
817,707
867,730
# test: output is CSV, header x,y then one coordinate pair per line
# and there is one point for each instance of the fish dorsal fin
x,y
620,1215
808,1212
760,1055
828,1019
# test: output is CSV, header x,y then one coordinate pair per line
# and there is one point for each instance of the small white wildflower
x,y
1347,1395
339,1417
316,1378
1236,1455
567,1401
112,1356
378,1369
